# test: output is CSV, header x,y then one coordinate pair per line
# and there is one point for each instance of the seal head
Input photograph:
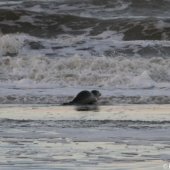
x,y
96,93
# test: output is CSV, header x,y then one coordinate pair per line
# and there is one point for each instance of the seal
x,y
85,98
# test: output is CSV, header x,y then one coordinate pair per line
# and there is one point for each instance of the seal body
x,y
85,98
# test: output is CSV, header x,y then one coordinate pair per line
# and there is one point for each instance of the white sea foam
x,y
143,80
106,43
10,3
11,43
80,68
87,71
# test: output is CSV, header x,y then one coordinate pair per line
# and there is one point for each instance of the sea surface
x,y
52,49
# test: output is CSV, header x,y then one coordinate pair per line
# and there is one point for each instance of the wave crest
x,y
87,71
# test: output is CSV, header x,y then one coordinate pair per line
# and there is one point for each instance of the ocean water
x,y
50,50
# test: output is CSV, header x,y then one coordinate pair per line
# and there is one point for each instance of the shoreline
x,y
148,112
60,137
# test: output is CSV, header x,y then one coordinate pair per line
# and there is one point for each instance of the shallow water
x,y
112,137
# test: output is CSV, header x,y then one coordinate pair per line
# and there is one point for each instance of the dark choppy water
x,y
119,47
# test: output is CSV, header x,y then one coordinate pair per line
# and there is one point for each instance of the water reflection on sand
x,y
115,137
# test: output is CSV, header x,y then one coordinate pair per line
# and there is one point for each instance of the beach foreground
x,y
129,137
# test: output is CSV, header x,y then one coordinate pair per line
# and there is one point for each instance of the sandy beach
x,y
51,112
125,137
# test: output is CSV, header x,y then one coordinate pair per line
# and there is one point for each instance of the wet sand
x,y
128,137
123,112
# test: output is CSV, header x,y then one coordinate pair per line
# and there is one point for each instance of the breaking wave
x,y
101,44
87,71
